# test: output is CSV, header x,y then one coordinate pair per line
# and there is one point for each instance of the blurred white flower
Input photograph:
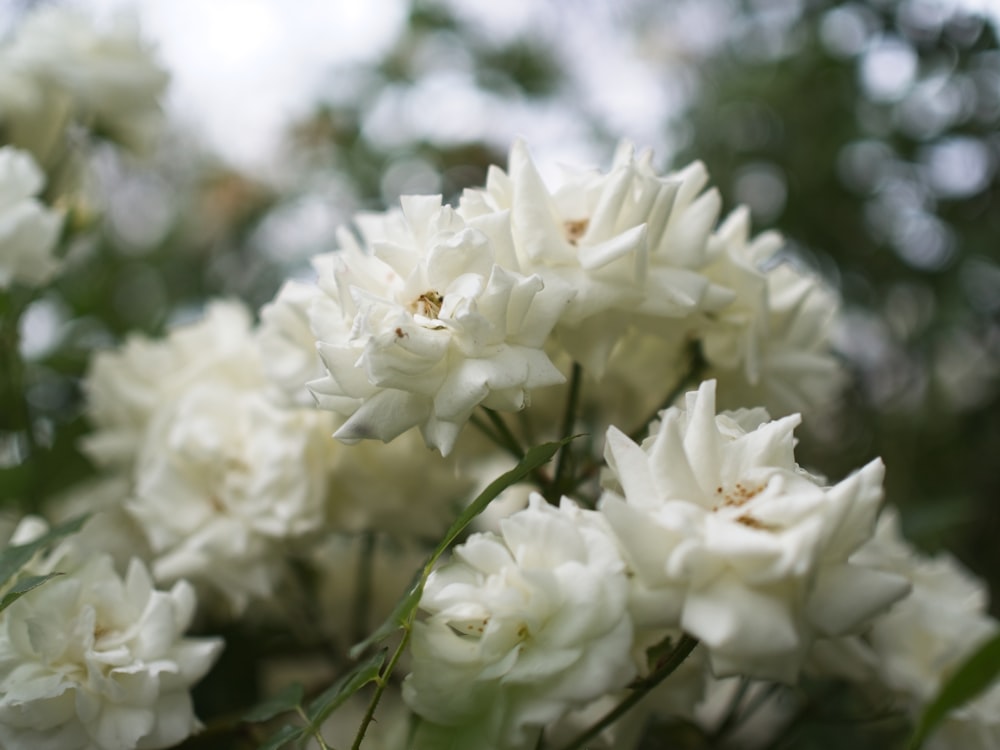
x,y
428,324
731,541
107,74
772,346
286,342
521,628
631,243
222,476
125,386
92,661
916,646
28,230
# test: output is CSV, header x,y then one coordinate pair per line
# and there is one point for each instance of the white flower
x,y
107,73
629,242
89,661
28,230
521,628
223,476
921,640
286,342
732,542
125,386
772,346
428,325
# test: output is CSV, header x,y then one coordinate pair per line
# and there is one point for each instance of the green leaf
x,y
22,587
288,699
400,615
282,737
974,675
406,609
533,459
15,557
334,696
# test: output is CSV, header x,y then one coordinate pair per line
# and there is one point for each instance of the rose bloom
x,y
730,540
91,661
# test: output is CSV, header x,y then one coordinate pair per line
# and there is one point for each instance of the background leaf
x,y
287,699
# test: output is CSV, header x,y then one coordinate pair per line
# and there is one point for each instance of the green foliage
x,y
978,672
15,557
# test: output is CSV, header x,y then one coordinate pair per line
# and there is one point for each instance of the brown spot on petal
x,y
755,523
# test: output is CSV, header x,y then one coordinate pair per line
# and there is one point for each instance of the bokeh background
x,y
867,132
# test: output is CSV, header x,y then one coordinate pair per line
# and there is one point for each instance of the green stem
x,y
510,439
663,670
381,683
690,380
492,435
569,419
317,735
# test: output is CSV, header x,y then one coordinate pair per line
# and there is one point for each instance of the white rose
x,y
773,345
28,230
429,324
222,478
629,242
91,661
521,628
915,646
108,73
731,541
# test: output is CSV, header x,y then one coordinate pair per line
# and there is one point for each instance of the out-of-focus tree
x,y
868,134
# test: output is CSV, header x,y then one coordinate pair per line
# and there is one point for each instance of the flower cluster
x,y
292,469
96,660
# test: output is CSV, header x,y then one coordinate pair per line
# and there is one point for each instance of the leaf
x,y
282,737
974,675
22,587
406,609
15,557
287,699
533,459
400,615
337,694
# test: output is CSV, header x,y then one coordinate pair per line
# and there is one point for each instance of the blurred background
x,y
868,133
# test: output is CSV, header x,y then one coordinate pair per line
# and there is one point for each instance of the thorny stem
x,y
381,682
691,379
569,418
670,663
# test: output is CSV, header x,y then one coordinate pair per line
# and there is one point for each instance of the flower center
x,y
427,304
575,229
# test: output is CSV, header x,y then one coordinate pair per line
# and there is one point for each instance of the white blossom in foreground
x,y
428,323
103,74
28,230
773,345
90,661
521,628
630,242
731,541
921,640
